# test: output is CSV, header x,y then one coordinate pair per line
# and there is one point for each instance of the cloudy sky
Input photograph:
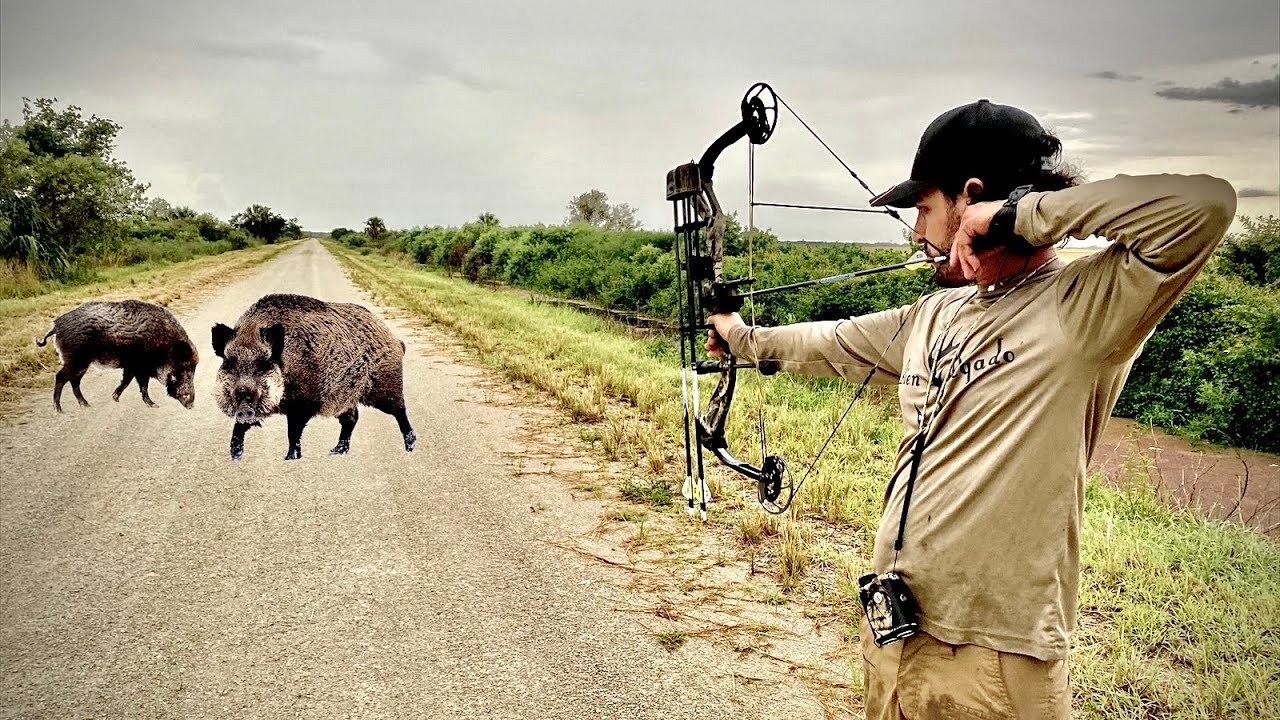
x,y
430,113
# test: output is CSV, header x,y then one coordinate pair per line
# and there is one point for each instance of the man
x,y
1005,382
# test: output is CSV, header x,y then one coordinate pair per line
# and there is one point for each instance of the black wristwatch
x,y
1000,233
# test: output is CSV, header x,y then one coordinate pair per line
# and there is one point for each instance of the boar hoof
x,y
410,441
295,453
341,448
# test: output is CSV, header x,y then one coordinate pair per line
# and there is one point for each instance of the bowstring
x,y
795,490
824,144
887,210
751,231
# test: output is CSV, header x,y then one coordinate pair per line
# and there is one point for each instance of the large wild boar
x,y
304,357
144,340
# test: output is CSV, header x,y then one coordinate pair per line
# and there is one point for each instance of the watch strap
x,y
1001,233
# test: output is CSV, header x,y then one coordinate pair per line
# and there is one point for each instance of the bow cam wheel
x,y
760,112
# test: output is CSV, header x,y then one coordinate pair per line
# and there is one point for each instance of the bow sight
x,y
702,290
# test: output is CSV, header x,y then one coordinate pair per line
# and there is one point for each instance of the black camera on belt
x,y
890,607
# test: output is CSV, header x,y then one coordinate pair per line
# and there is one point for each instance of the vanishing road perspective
x,y
144,574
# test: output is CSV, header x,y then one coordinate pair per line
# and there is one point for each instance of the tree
x,y
338,232
737,242
1253,255
158,208
593,208
488,219
622,217
375,228
56,134
261,222
292,229
61,190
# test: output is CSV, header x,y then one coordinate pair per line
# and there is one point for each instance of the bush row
x,y
1211,370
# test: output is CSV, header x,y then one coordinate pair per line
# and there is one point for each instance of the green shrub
x,y
1211,370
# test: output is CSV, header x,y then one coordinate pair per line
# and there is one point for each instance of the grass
x,y
22,363
653,491
20,280
670,640
1179,615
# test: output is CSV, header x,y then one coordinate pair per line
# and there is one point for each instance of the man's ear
x,y
221,336
973,190
274,336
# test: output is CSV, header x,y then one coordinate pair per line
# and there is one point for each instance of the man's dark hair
x,y
1048,173
1002,145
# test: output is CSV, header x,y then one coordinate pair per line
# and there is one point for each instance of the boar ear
x,y
274,336
182,352
221,335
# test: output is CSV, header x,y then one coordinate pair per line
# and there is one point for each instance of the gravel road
x,y
143,574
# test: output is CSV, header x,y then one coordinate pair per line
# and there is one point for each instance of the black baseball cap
x,y
997,143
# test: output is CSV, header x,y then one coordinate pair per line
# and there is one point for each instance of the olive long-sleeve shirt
x,y
1014,386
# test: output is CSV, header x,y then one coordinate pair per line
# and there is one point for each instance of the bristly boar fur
x,y
144,340
304,357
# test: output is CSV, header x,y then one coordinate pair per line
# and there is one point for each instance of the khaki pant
x,y
923,678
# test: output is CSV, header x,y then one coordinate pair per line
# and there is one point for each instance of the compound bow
x,y
702,290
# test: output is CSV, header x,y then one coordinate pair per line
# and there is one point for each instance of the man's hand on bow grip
x,y
721,323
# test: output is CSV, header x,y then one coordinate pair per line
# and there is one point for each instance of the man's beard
x,y
949,277
946,275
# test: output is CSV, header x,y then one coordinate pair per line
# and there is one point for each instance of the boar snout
x,y
244,406
244,413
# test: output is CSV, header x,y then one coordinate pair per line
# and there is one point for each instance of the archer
x,y
1006,379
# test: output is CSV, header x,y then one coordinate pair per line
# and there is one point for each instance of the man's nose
x,y
917,232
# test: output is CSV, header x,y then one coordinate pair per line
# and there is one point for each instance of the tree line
x,y
69,206
1211,370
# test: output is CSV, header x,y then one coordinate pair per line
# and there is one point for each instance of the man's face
x,y
938,219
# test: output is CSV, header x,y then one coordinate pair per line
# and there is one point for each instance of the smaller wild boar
x,y
303,357
144,340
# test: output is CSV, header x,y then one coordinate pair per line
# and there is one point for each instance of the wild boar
x,y
303,357
144,340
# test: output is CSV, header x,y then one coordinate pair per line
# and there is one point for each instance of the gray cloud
x,y
1258,93
1256,193
429,113
417,61
1113,75
288,52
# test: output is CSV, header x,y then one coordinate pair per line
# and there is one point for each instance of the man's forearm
x,y
1169,221
829,348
